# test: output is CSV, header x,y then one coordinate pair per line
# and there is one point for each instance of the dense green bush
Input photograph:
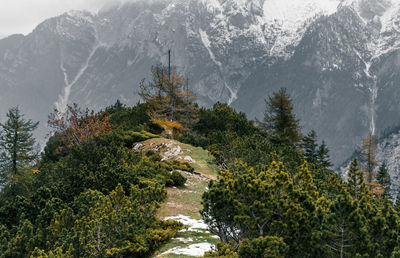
x,y
176,179
184,166
134,118
127,138
194,139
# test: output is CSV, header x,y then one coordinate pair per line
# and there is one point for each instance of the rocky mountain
x,y
339,59
388,151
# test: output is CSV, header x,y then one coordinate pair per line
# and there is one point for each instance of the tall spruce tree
x,y
17,145
383,179
279,118
356,180
310,147
323,156
313,153
398,198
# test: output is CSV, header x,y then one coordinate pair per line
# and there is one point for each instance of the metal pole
x,y
187,103
169,64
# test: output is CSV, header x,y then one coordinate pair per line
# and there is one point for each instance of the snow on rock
x,y
212,5
83,16
275,25
384,15
296,12
63,99
196,250
287,20
207,45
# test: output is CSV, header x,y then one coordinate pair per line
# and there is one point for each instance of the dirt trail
x,y
184,204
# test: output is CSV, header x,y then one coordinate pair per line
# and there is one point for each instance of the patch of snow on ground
x,y
196,250
184,240
193,224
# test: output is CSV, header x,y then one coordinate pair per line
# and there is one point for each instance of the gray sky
x,y
22,16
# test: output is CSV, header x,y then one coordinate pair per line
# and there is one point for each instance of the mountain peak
x,y
83,15
287,20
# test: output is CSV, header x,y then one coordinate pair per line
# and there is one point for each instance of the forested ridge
x,y
90,193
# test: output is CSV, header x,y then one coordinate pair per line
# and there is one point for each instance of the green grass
x,y
184,200
205,162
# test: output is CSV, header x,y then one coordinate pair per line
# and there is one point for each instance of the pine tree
x,y
383,228
280,120
398,198
356,180
383,179
313,153
17,145
310,147
344,227
323,156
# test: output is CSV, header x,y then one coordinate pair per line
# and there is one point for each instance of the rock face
x,y
388,151
339,59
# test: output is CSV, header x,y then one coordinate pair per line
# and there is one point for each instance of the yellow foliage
x,y
376,189
323,204
35,171
170,127
168,100
226,174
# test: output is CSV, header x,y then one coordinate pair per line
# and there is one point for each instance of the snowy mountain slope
x,y
338,59
342,75
286,21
